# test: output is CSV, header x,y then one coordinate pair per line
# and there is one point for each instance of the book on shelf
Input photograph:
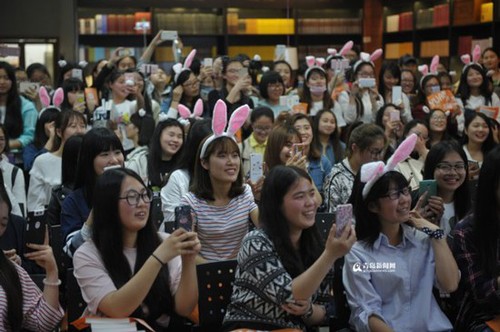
x,y
406,21
425,18
430,48
392,23
329,25
466,11
396,50
483,43
266,26
487,12
190,23
464,45
441,15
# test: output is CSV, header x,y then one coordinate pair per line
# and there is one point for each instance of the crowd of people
x,y
421,251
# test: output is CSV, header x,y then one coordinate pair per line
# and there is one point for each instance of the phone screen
x,y
243,72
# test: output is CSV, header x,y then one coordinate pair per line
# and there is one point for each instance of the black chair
x,y
324,222
215,288
76,304
340,322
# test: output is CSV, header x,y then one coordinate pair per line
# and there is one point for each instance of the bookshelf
x,y
220,26
448,28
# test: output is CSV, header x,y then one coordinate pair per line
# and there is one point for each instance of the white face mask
x,y
317,90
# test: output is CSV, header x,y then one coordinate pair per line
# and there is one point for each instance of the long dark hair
x,y
13,121
94,142
270,77
391,67
314,153
486,228
278,138
461,197
360,109
71,85
146,125
155,152
306,92
41,138
107,234
276,185
70,158
368,225
9,279
489,143
62,122
464,89
333,139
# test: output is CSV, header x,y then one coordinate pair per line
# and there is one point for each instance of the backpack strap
x,y
15,169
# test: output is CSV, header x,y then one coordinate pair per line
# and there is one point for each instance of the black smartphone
x,y
35,228
184,217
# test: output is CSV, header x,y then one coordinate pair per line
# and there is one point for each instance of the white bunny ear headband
x,y
372,172
314,63
332,52
179,67
57,99
368,58
82,64
185,113
219,122
427,110
476,55
426,71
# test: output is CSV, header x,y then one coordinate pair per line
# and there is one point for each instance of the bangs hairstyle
x,y
363,136
94,142
71,85
6,148
279,137
368,225
280,180
270,77
333,139
12,121
391,67
63,121
41,138
107,235
201,185
489,143
464,88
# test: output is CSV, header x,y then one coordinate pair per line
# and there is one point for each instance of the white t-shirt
x,y
119,113
171,194
44,175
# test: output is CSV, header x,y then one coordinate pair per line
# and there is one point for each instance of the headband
x,y
424,69
185,113
179,67
57,99
476,55
314,63
219,122
332,52
372,172
82,64
367,58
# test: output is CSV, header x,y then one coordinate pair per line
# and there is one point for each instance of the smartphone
x,y
91,95
208,62
283,100
184,217
77,73
280,52
394,116
243,72
124,52
256,171
292,100
129,79
25,86
342,217
397,97
366,82
339,65
169,35
80,98
298,148
429,186
148,69
35,228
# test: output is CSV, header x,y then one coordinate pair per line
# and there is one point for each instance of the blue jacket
x,y
319,169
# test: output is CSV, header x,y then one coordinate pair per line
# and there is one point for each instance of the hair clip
x,y
179,67
368,58
57,99
162,117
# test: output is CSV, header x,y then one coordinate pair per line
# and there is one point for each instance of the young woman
x,y
280,148
389,119
367,143
409,84
186,91
286,258
22,304
115,63
46,171
140,94
326,136
440,127
101,148
139,130
478,141
271,88
17,114
165,147
446,81
160,89
476,245
398,259
286,73
318,166
390,76
74,96
447,164
490,62
128,269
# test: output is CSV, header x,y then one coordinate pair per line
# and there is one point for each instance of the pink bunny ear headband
x,y
219,122
57,99
333,52
476,55
314,63
185,113
372,172
368,58
426,72
179,67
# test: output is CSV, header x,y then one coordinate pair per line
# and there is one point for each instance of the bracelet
x,y
309,312
159,260
48,283
437,234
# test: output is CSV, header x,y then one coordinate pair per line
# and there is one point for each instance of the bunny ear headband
x,y
372,172
82,64
57,99
424,70
427,110
219,122
333,52
368,58
179,67
476,55
185,113
314,63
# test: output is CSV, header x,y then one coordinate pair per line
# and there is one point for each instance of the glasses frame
x,y
396,194
146,196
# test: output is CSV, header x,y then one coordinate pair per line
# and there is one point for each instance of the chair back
x,y
324,222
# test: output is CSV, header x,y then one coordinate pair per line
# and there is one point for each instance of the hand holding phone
x,y
366,82
394,116
298,149
256,170
35,228
429,186
397,95
184,217
343,216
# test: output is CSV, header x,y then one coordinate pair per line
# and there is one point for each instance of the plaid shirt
x,y
481,292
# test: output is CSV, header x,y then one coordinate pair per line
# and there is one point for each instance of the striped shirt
x,y
221,228
38,314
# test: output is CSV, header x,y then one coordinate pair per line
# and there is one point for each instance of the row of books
x,y
114,24
437,16
94,54
187,23
399,22
396,50
472,11
430,48
329,25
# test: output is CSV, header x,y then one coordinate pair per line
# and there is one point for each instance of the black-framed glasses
x,y
396,194
447,167
133,197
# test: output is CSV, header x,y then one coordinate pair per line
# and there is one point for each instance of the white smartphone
x,y
279,52
283,100
25,86
397,97
394,116
169,35
208,62
243,72
342,217
256,170
148,69
293,100
366,82
107,168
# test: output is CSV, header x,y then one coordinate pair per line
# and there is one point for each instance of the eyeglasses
x,y
375,153
396,194
133,197
446,167
275,86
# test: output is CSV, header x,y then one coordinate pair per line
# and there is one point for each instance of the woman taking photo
x,y
390,76
128,269
326,136
440,127
286,258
